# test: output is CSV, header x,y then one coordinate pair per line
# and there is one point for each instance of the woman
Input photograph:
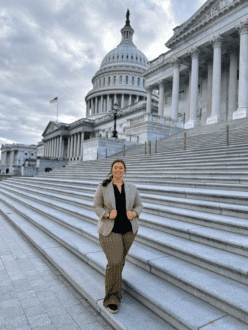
x,y
118,205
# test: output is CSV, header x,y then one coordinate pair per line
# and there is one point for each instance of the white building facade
x,y
203,77
13,155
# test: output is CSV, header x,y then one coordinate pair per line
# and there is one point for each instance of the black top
x,y
122,223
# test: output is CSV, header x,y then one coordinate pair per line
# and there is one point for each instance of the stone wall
x,y
96,148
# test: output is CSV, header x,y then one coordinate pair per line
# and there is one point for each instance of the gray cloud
x,y
53,48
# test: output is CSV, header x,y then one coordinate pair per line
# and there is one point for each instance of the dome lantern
x,y
127,31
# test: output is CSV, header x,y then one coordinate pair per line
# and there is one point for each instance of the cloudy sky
x,y
53,48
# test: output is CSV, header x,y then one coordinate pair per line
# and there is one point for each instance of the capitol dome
x,y
125,52
119,79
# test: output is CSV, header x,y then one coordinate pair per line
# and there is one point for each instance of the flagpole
x,y
57,109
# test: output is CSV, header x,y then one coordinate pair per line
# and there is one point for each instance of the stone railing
x,y
84,121
130,108
163,58
151,117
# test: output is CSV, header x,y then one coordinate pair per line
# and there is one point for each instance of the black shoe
x,y
113,308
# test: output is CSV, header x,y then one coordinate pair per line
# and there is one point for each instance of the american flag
x,y
54,100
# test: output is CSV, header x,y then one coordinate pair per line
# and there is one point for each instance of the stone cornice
x,y
186,29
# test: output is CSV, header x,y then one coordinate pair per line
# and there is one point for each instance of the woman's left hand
x,y
131,215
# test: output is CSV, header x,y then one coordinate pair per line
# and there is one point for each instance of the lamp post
x,y
114,114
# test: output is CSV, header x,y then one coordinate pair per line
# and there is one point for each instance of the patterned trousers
x,y
115,246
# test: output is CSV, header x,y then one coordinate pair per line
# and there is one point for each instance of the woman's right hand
x,y
113,214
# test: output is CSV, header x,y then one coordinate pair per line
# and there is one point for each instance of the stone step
x,y
222,196
89,281
202,183
168,272
228,241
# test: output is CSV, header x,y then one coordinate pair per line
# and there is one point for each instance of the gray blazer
x,y
104,202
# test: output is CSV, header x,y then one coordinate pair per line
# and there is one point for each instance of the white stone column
x,y
209,62
92,107
193,121
104,105
175,89
48,148
137,98
161,99
68,147
108,105
60,146
75,145
101,107
52,147
122,101
149,100
216,91
233,83
130,100
71,146
79,144
82,147
96,104
242,111
63,148
87,108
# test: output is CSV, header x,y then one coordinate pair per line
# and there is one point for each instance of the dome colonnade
x,y
119,79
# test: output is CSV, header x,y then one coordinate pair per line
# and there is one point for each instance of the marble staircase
x,y
201,137
188,266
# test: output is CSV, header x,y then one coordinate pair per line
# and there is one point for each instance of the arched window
x,y
138,81
120,79
109,80
126,80
132,80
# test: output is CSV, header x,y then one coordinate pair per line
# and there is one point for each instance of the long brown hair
x,y
107,181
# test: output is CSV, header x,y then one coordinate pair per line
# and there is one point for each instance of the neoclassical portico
x,y
210,53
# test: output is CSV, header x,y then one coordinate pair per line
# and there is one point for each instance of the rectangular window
x,y
182,95
120,79
132,80
143,82
138,81
114,79
126,79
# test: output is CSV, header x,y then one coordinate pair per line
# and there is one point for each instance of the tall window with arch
x,y
132,80
120,79
138,82
109,80
126,80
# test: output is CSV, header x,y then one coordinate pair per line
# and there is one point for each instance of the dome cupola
x,y
126,51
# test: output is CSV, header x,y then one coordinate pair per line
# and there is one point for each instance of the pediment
x,y
210,10
50,128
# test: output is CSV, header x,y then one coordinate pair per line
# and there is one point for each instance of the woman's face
x,y
118,170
